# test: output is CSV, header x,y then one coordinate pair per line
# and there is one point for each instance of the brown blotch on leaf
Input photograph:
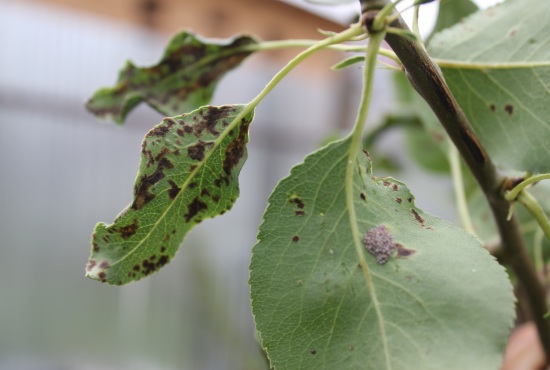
x,y
363,196
409,199
300,213
102,277
386,183
129,230
313,351
90,265
196,151
161,130
141,190
194,208
395,187
136,268
492,107
403,252
295,238
174,189
162,249
398,200
298,202
95,247
192,185
235,150
103,265
205,192
509,108
417,217
216,198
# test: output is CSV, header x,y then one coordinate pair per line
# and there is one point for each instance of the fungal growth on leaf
x,y
379,242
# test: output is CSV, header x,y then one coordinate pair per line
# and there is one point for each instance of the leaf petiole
x,y
514,193
531,204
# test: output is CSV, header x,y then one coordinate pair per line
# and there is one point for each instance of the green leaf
x,y
497,64
188,172
183,80
348,62
440,302
451,12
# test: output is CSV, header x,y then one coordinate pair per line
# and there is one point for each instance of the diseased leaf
x,y
183,80
497,64
188,172
439,302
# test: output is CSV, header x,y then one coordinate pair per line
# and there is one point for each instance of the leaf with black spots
x,y
183,80
430,297
188,172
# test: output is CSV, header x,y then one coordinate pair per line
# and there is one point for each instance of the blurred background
x,y
62,171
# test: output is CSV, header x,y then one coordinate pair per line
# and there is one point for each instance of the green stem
x,y
513,194
354,30
458,184
537,249
282,44
529,202
354,149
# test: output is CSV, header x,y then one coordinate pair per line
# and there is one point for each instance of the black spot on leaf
x,y
194,208
141,190
196,151
417,217
398,200
509,108
295,238
492,107
363,196
174,189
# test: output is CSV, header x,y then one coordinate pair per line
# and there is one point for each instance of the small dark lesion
x,y
417,217
403,252
509,108
174,189
129,230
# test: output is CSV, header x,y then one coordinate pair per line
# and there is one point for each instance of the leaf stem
x,y
531,204
343,36
458,184
513,193
353,151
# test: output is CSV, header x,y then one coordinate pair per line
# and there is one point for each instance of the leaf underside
x,y
497,64
183,80
188,172
440,302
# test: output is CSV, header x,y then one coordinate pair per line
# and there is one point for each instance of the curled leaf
x,y
183,80
188,172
